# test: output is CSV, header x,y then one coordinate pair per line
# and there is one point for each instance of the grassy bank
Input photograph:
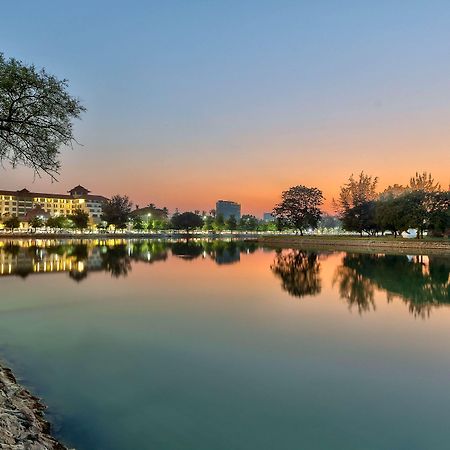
x,y
364,244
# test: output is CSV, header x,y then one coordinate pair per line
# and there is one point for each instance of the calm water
x,y
226,346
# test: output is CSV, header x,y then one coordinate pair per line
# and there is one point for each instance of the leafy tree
x,y
390,214
37,222
116,211
138,223
424,182
232,223
36,114
208,223
186,221
438,206
12,222
80,219
300,207
248,223
219,222
57,222
355,205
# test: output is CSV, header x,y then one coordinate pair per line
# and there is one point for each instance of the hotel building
x,y
22,203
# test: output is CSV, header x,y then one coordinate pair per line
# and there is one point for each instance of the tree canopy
x,y
116,211
186,221
299,207
36,114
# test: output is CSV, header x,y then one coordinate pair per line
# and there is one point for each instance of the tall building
x,y
227,209
22,203
268,217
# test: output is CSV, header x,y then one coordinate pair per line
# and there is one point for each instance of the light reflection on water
x,y
224,345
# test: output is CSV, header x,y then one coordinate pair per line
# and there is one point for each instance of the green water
x,y
226,346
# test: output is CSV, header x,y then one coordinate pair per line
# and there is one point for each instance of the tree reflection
x,y
299,272
421,282
188,250
116,260
353,287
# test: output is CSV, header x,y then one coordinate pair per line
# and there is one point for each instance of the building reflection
x,y
78,258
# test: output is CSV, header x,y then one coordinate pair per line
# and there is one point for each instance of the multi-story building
x,y
19,203
268,217
227,209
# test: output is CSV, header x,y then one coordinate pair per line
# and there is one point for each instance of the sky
x,y
192,101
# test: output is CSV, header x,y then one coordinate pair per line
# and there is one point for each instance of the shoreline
x,y
359,244
22,422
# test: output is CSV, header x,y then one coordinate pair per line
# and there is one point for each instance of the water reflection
x,y
299,272
422,282
78,257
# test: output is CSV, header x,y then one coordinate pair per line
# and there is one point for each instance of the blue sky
x,y
189,101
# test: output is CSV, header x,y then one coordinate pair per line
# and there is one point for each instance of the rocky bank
x,y
22,423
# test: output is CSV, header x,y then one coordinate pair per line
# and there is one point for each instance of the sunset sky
x,y
192,101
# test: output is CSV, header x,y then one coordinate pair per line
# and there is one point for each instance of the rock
x,y
22,422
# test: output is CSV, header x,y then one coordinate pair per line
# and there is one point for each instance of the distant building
x,y
227,209
25,204
268,217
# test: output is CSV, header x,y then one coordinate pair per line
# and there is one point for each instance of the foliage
x,y
116,211
424,182
37,222
11,222
208,224
80,219
36,114
248,223
57,222
186,221
219,222
232,223
138,223
299,207
356,205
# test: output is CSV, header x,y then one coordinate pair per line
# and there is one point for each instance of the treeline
x,y
421,205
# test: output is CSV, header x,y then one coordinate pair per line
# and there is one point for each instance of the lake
x,y
228,346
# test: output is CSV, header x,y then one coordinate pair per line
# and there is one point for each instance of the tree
x,y
138,223
300,207
232,223
219,222
116,211
209,223
36,114
57,222
439,209
11,222
248,223
390,214
424,182
186,221
354,206
37,222
80,219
